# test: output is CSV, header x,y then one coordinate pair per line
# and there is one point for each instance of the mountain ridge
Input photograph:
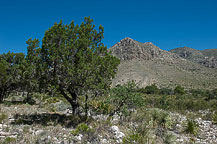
x,y
146,64
207,57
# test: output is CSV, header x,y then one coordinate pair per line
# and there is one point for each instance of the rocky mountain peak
x,y
148,43
129,49
126,41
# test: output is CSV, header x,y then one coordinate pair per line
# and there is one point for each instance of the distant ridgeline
x,y
146,64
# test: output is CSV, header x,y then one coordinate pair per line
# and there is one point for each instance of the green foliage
x,y
214,117
133,138
198,92
101,107
192,127
9,140
82,129
165,91
125,97
10,73
75,61
152,89
162,118
169,139
30,74
179,90
3,117
211,94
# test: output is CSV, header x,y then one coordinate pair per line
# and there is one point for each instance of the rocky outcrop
x,y
207,58
129,49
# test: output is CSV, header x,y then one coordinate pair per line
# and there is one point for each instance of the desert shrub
x,y
133,138
214,117
82,129
161,118
152,89
164,102
197,92
3,117
141,90
100,106
9,140
179,90
211,94
165,91
124,98
192,127
169,139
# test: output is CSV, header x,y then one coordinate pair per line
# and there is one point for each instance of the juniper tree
x,y
11,65
76,61
30,72
3,78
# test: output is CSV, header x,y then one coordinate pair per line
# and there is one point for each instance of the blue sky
x,y
166,23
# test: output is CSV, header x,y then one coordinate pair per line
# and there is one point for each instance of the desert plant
x,y
101,106
165,91
133,138
9,140
214,117
3,117
161,118
179,90
152,89
192,127
124,98
82,128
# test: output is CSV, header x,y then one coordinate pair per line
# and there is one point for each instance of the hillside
x,y
206,57
147,64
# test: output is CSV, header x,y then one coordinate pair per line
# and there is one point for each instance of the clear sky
x,y
166,23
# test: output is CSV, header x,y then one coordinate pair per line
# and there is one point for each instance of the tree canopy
x,y
75,60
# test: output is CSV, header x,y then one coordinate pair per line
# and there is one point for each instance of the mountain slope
x,y
147,64
206,58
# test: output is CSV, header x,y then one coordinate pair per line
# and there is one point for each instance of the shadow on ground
x,y
9,103
49,119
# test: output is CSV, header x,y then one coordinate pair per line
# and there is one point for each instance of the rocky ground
x,y
25,123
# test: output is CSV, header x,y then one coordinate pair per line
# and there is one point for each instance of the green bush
x,y
82,128
152,89
179,90
161,118
133,138
9,140
165,91
124,98
3,117
198,92
211,94
214,117
101,106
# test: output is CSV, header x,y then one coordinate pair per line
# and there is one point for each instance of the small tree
x,y
75,61
125,97
3,79
11,70
30,72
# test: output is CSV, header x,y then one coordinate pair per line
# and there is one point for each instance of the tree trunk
x,y
72,100
86,106
74,103
2,94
